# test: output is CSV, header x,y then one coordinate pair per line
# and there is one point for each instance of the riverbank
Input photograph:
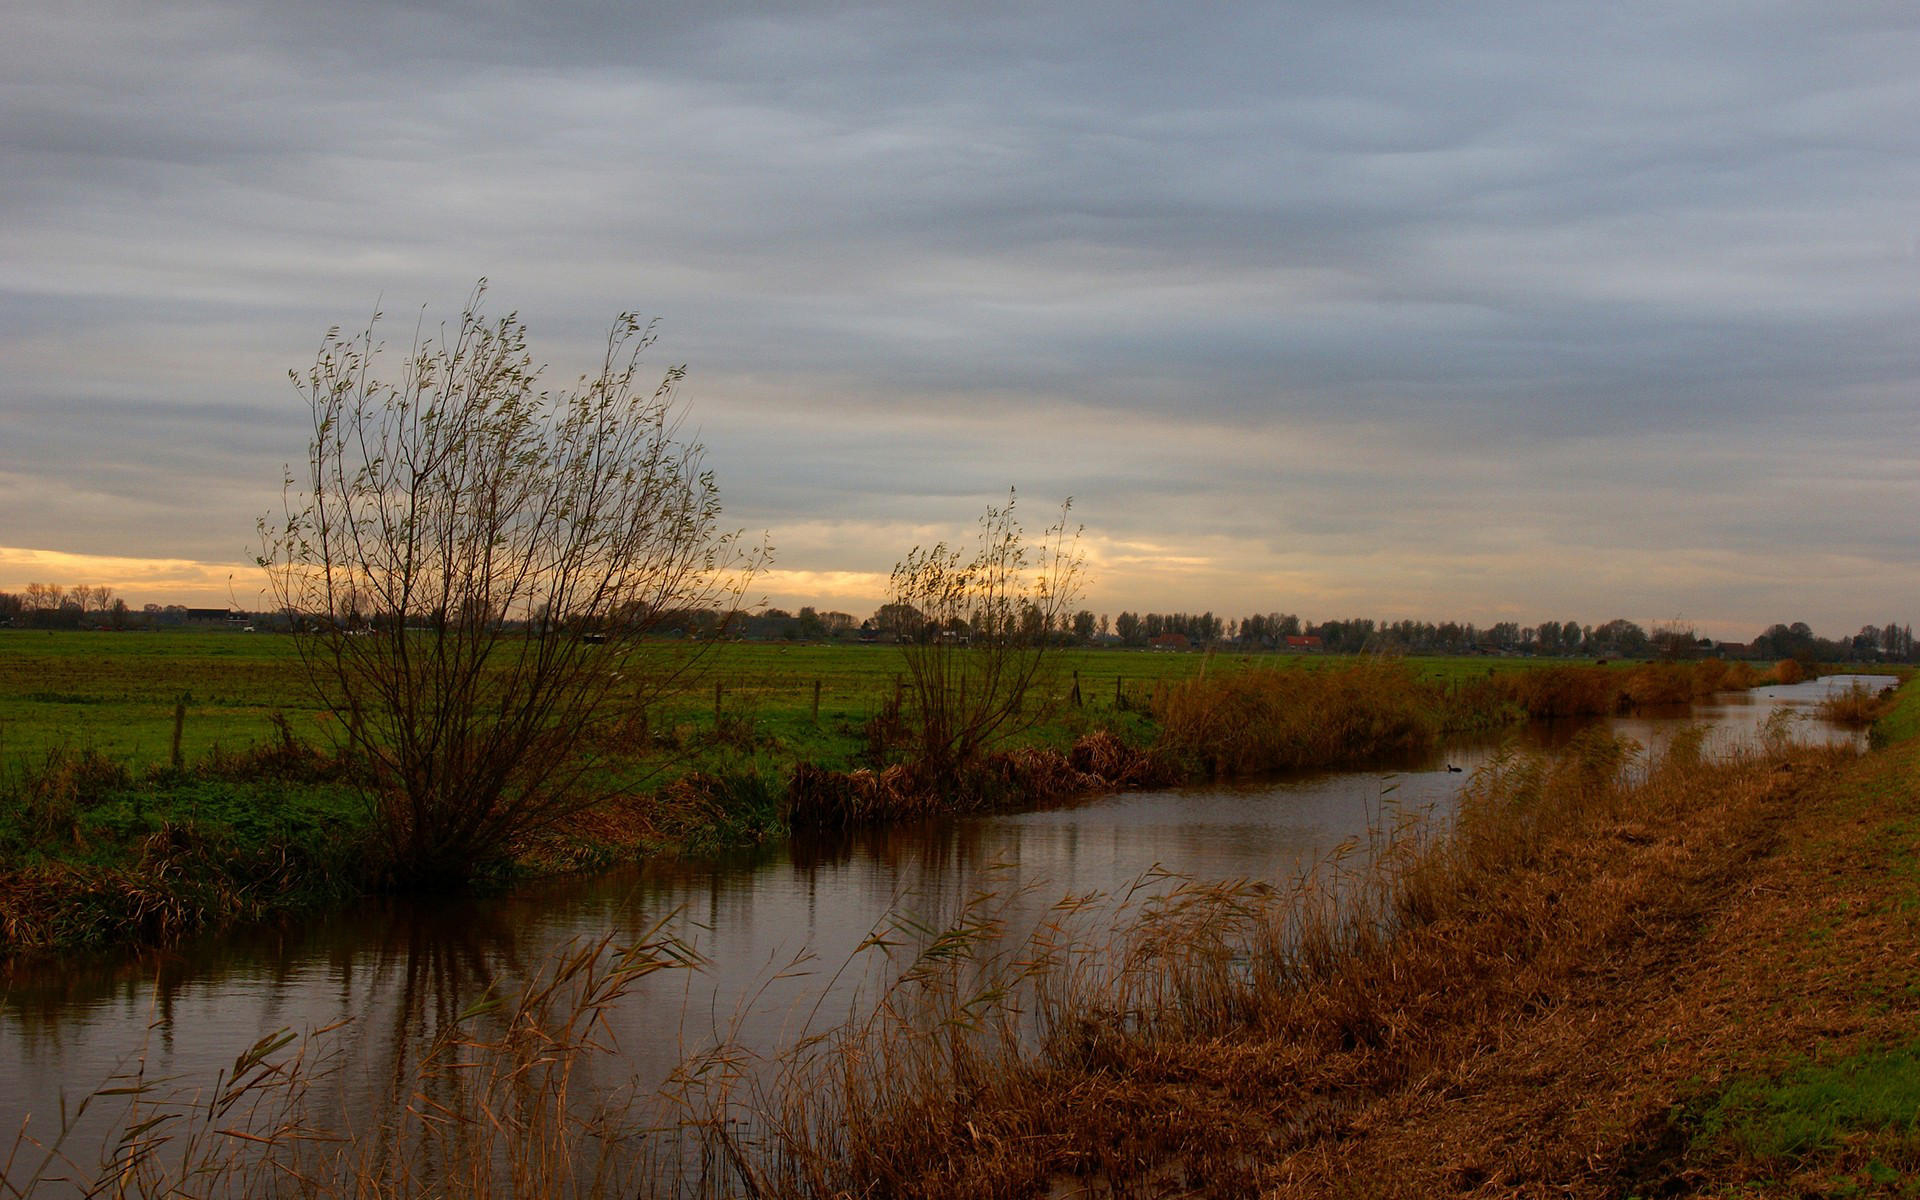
x,y
96,852
1697,981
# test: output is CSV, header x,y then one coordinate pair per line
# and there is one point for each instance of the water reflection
x,y
777,927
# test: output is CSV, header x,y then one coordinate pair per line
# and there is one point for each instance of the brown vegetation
x,y
1790,671
1520,1007
822,799
1594,691
1856,708
1245,722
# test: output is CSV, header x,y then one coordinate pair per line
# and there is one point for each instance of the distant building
x,y
1171,641
216,618
1301,643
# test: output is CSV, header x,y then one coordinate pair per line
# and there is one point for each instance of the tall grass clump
x,y
1790,671
1563,691
817,798
1264,720
1857,707
1595,691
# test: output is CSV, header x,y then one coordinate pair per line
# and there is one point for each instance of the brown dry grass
x,y
1517,1009
1592,691
1858,707
1265,720
817,798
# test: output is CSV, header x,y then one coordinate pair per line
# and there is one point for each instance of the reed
x,y
1857,707
1266,720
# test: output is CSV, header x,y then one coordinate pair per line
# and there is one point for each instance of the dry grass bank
x,y
1548,1002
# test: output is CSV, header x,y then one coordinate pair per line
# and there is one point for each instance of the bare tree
x,y
984,669
91,599
475,559
45,597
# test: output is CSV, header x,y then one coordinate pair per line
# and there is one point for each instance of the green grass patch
x,y
1902,722
1812,1108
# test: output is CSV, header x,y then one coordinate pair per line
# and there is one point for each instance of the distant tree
x,y
1128,628
810,624
45,597
1504,635
1786,641
900,621
1084,624
92,599
838,624
1672,643
506,546
1618,638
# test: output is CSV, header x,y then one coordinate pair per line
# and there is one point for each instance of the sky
x,y
1510,311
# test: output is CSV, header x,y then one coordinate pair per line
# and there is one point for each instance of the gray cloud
x,y
1602,278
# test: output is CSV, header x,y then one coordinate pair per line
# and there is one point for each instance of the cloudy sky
x,y
1503,311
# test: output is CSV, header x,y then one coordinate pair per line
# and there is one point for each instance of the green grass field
x,y
115,693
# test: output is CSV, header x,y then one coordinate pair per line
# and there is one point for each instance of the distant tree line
x,y
51,606
1618,638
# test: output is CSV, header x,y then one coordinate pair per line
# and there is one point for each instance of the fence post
x,y
816,702
716,703
179,726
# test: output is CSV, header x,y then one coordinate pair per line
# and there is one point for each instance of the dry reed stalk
x,y
1264,720
1857,707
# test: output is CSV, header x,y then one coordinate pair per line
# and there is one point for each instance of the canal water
x,y
778,930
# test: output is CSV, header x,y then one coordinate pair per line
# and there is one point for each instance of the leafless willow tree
x,y
981,667
472,560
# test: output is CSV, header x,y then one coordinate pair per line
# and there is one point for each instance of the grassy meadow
x,y
117,693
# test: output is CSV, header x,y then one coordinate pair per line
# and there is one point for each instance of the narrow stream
x,y
776,927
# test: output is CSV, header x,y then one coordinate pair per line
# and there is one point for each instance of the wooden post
x,y
816,702
1117,698
1076,687
179,727
716,703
